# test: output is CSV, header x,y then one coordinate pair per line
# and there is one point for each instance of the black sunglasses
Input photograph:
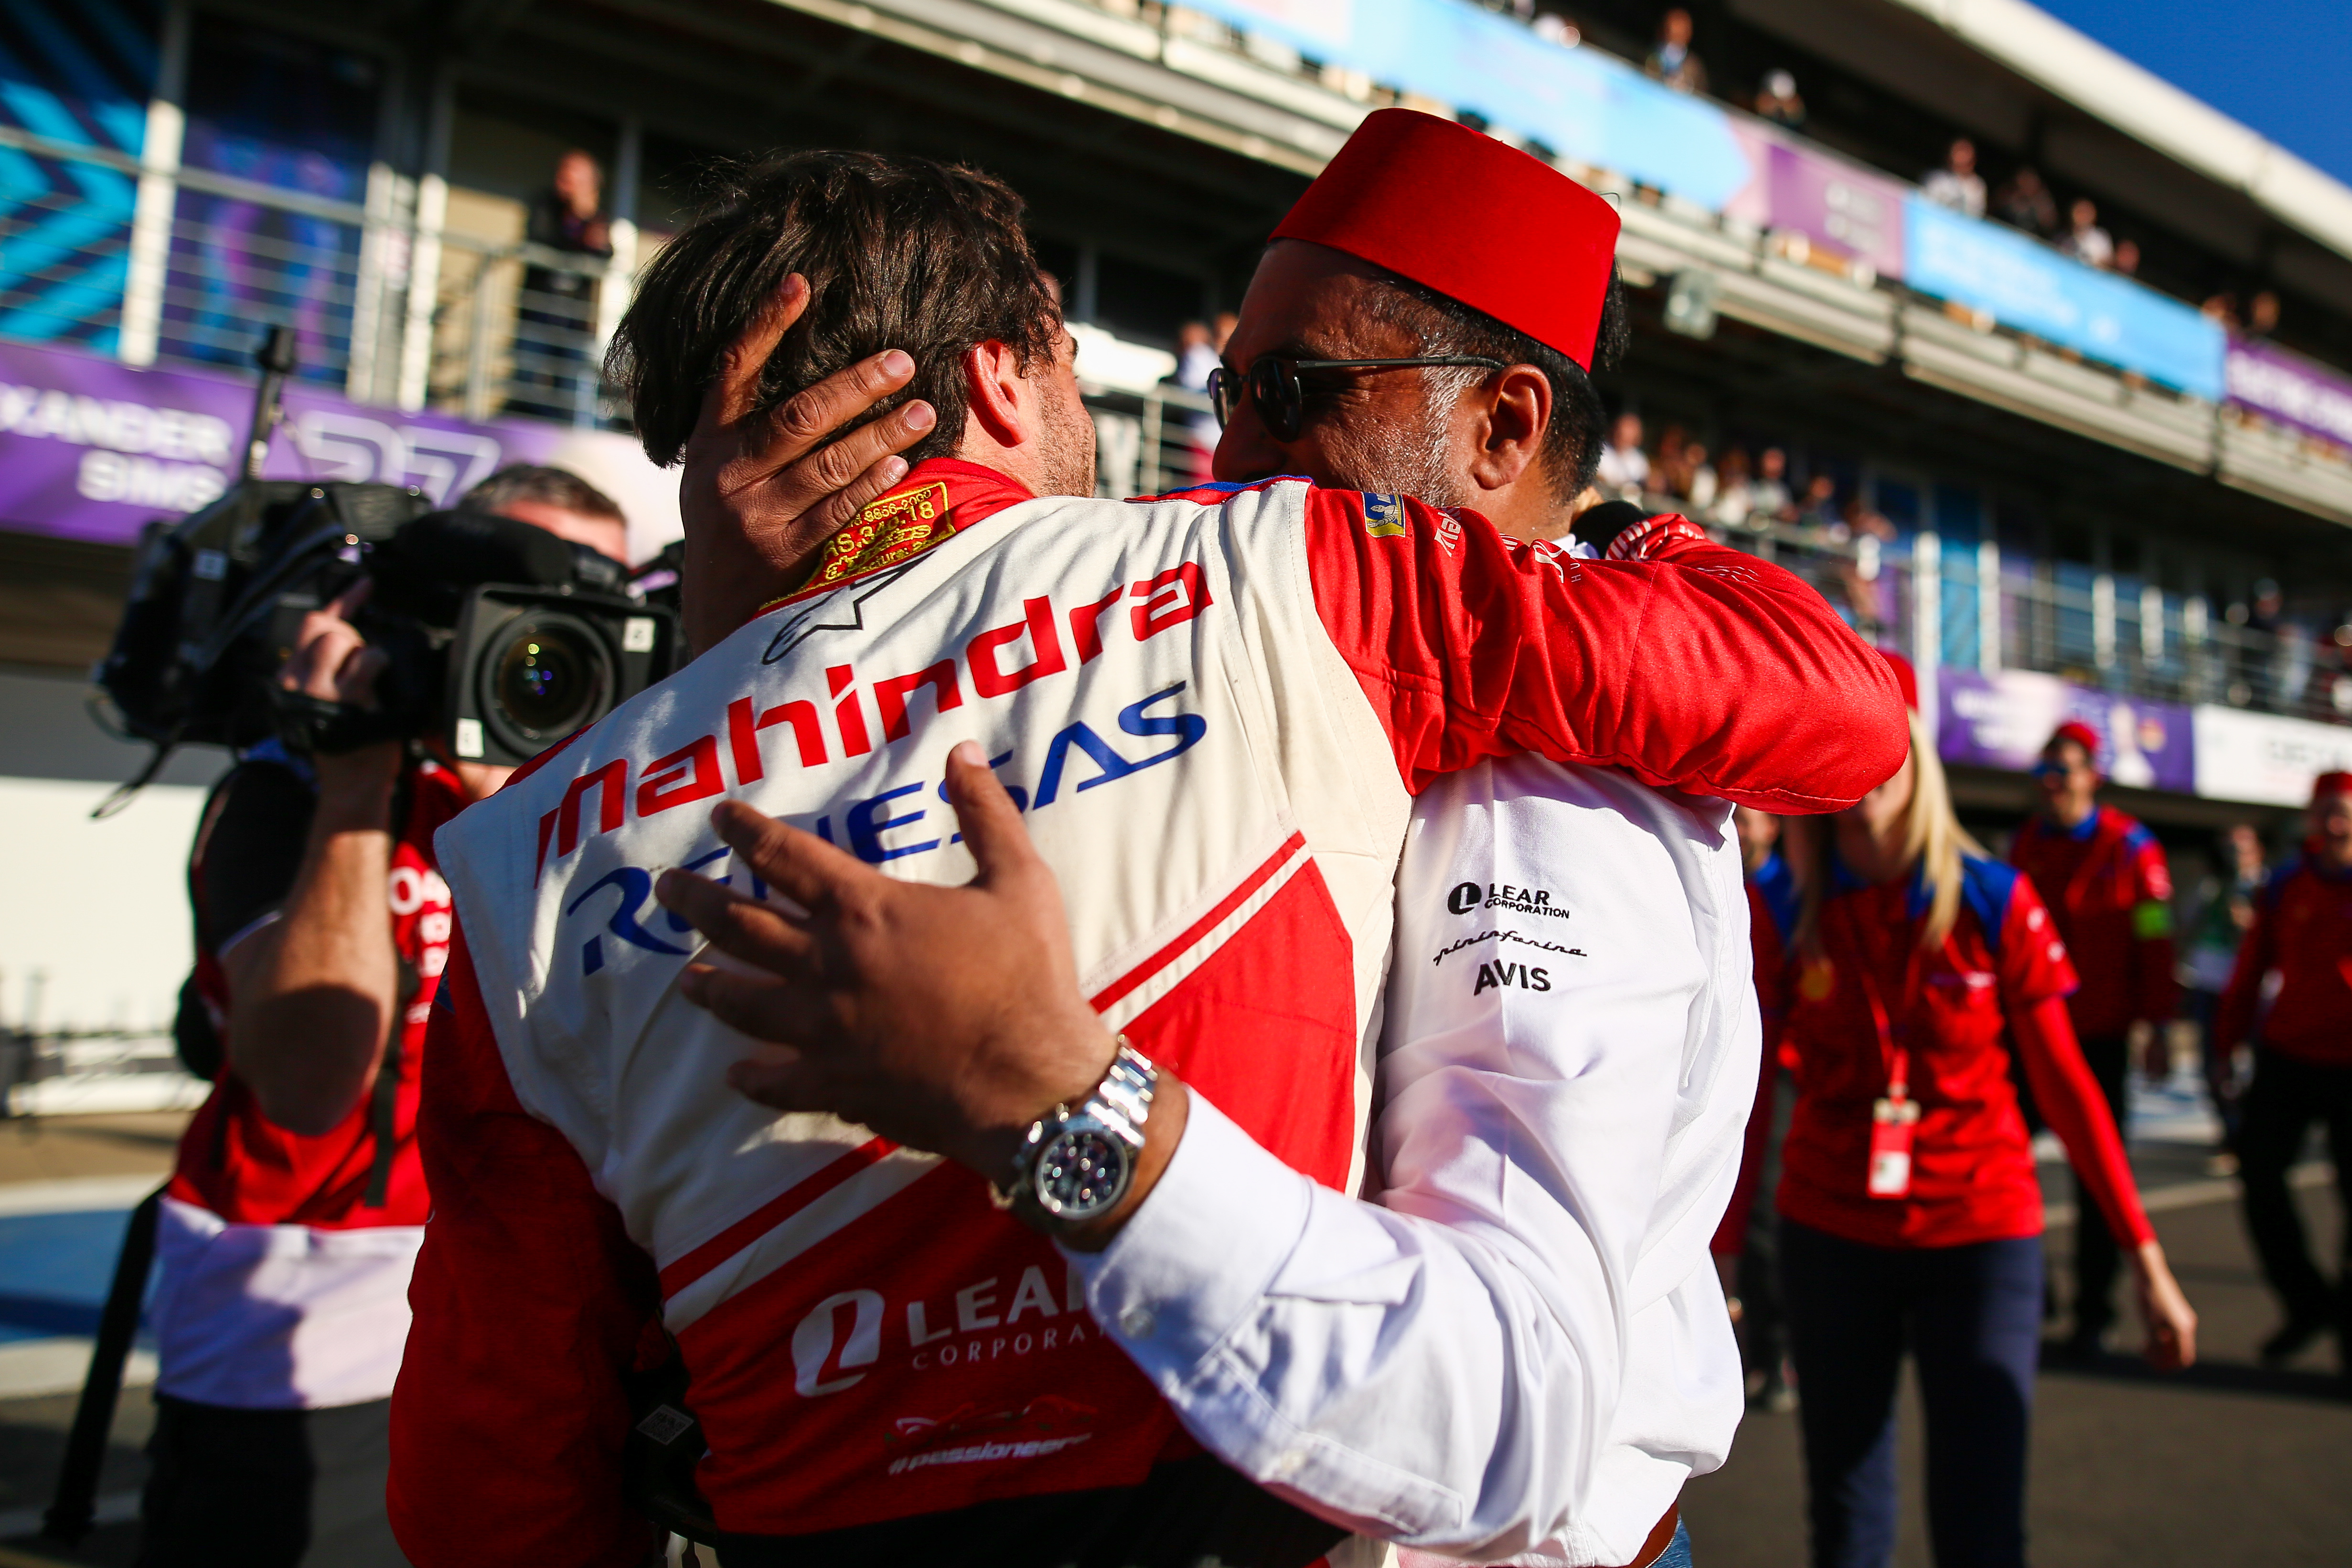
x,y
1274,388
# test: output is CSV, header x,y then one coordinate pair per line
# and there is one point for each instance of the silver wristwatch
x,y
1077,1162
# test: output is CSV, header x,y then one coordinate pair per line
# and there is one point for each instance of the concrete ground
x,y
2225,1464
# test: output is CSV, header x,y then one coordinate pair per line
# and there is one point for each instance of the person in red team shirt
x,y
295,1210
1745,1254
2303,1063
1909,1211
2110,892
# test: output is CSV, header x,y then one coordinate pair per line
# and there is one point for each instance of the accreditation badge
x,y
1892,1122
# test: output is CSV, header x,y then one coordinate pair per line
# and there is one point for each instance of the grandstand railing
x,y
1972,606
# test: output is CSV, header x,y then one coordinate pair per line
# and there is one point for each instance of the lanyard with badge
x,y
1894,1116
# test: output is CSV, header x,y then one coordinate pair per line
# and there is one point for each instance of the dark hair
x,y
1572,440
899,253
548,487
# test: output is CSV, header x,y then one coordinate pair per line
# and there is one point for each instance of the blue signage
x,y
2025,285
1578,102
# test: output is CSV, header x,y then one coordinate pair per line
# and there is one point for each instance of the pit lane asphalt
x,y
2227,1464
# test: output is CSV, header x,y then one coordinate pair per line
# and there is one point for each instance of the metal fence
x,y
1972,606
1149,442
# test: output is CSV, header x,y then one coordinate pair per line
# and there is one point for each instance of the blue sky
x,y
2279,66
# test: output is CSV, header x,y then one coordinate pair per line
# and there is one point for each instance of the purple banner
x,y
90,448
1800,189
2004,720
2292,391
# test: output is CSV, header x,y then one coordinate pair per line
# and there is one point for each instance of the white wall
x,y
99,909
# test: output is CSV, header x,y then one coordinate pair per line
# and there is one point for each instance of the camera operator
x,y
288,1230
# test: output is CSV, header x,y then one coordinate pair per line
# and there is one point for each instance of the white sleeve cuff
x,y
1197,1256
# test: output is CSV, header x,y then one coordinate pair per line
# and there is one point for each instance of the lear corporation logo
x,y
1535,901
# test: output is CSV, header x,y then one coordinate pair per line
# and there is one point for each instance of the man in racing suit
x,y
1311,656
1624,1044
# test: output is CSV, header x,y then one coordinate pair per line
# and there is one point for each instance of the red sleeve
x,y
2077,1112
2034,964
2233,1021
508,1421
1691,665
2156,989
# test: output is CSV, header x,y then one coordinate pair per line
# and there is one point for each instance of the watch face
x,y
1081,1173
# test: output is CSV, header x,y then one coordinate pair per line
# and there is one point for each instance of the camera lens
x,y
547,675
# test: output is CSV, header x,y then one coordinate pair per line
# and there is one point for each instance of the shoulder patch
x,y
1987,887
1384,517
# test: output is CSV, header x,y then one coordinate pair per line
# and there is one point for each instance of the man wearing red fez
x,y
2301,944
1251,1160
2105,881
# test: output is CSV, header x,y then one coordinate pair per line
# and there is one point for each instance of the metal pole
x,y
1989,607
425,250
142,330
1927,621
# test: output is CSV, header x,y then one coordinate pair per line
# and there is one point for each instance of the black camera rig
x,y
499,638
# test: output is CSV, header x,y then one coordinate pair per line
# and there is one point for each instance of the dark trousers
x,y
2096,1258
1972,1318
2286,1098
1763,1324
267,1489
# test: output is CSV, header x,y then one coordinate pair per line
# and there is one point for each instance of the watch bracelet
x,y
1124,1091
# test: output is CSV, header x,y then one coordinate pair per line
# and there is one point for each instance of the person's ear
x,y
997,392
1514,409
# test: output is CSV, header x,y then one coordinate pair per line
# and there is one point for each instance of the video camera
x,y
501,639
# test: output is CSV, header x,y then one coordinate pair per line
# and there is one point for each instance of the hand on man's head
x,y
762,487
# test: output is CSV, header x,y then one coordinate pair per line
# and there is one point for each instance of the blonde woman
x,y
1910,1215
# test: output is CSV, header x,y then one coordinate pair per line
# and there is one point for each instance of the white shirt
x,y
1516,1347
1961,193
1624,470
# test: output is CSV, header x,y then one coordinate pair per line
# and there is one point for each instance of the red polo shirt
x,y
2111,892
1957,1011
2303,934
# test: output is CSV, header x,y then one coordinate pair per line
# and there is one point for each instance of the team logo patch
x,y
1384,517
888,531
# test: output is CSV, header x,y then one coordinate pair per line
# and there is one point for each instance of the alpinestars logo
x,y
1502,895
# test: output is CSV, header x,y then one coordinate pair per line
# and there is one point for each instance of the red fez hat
x,y
1479,222
2327,784
1906,677
2081,734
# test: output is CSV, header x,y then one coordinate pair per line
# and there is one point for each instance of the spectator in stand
x,y
1773,502
1818,506
2126,260
1957,184
2222,310
2026,203
2084,240
1779,102
1735,494
1671,62
1910,1215
2263,315
1862,575
558,310
1196,358
1746,1248
2110,893
1624,466
2301,944
2223,905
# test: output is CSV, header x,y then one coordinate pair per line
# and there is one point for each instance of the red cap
x,y
1906,677
1460,212
2081,734
2327,784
